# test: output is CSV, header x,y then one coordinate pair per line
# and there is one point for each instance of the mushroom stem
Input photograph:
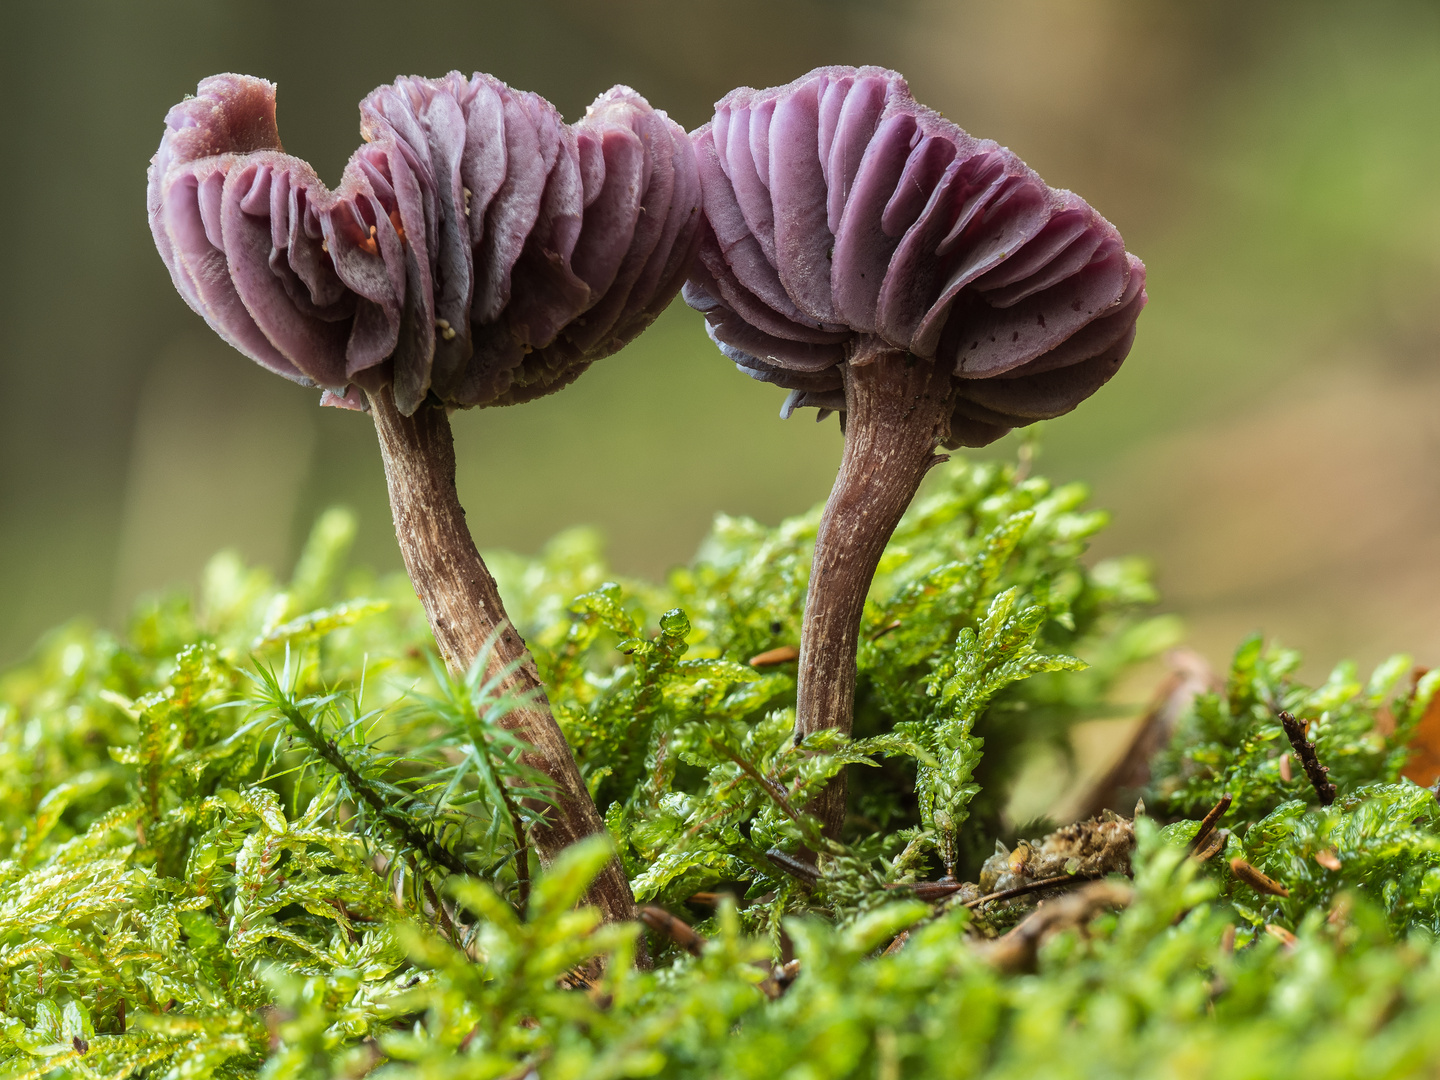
x,y
897,411
465,611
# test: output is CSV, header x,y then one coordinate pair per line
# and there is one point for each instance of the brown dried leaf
x,y
1423,767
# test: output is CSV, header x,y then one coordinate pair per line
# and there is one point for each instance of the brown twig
x,y
781,654
1058,881
677,930
773,790
780,978
898,944
1280,934
1213,846
441,913
1227,940
1208,822
930,890
886,629
1016,951
796,868
1261,883
1305,751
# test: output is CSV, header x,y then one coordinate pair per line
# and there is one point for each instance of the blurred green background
x,y
1273,442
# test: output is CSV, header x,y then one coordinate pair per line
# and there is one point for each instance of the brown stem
x,y
897,410
465,611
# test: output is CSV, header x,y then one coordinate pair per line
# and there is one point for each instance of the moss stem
x,y
897,410
465,612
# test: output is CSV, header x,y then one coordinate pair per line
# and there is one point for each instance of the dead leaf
x,y
1423,766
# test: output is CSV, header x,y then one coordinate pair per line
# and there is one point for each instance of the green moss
x,y
263,833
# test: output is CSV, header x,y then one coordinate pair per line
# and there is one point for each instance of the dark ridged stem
x,y
1305,749
897,411
465,612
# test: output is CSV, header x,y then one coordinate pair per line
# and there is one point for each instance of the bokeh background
x,y
1273,443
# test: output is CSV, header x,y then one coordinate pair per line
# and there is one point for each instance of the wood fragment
x,y
1328,859
887,628
1280,934
1016,951
796,868
898,944
1261,883
1213,846
1207,823
1340,911
782,654
1305,751
582,977
779,979
677,930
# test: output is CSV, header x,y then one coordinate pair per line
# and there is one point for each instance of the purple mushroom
x,y
478,251
875,260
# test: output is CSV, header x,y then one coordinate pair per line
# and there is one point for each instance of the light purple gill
x,y
839,210
478,248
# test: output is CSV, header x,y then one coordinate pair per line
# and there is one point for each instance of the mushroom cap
x,y
478,249
839,209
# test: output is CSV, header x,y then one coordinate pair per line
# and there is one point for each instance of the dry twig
x,y
1261,883
1213,846
898,944
781,655
1280,934
779,979
1305,750
677,930
1208,822
1016,951
796,868
931,890
1060,881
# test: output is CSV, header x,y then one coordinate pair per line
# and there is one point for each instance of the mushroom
x,y
875,260
479,251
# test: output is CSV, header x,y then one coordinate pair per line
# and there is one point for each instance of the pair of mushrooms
x,y
842,241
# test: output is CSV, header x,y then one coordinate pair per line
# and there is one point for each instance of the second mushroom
x,y
875,260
